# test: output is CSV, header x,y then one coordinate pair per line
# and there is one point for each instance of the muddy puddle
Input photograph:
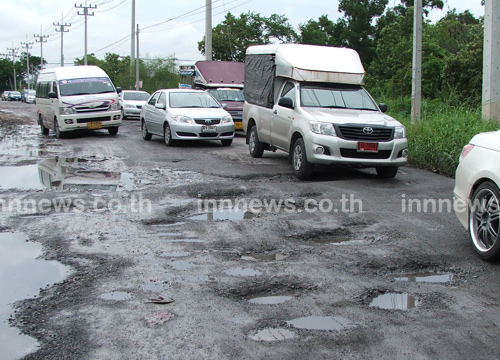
x,y
231,214
242,272
426,278
264,257
115,296
273,334
269,299
324,323
22,275
395,301
20,177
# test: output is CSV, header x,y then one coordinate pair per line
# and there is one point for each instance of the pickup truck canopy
x,y
213,74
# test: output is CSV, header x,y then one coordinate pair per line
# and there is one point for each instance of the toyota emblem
x,y
208,121
368,130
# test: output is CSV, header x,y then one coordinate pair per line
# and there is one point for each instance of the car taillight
x,y
467,149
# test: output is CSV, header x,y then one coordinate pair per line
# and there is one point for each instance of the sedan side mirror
x,y
161,106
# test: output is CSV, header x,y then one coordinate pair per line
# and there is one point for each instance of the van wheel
x,y
57,130
43,129
301,167
255,147
167,135
387,172
144,129
113,130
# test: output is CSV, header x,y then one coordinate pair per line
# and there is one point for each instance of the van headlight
x,y
114,107
67,111
399,132
322,128
183,119
226,119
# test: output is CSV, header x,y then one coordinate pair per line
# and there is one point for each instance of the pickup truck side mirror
x,y
286,102
52,95
382,107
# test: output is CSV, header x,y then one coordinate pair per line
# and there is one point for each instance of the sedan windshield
x,y
336,96
192,100
85,86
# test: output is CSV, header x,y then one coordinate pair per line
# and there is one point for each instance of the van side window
x,y
42,90
153,99
289,91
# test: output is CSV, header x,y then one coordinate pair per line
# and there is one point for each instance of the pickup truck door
x,y
283,117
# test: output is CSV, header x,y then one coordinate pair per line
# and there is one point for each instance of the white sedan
x,y
477,195
184,114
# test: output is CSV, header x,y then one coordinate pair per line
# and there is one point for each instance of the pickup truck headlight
x,y
183,119
399,132
226,119
67,111
322,128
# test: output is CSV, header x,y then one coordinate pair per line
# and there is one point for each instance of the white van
x,y
310,102
76,98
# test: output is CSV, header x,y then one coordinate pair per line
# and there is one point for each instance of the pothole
x,y
242,272
231,214
321,323
115,296
23,177
395,301
273,334
269,299
426,277
264,257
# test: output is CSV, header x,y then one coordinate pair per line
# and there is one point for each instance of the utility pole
x,y
137,62
491,59
416,85
41,40
13,53
132,43
62,30
208,30
86,14
28,47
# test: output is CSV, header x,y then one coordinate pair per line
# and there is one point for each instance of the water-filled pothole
x,y
115,296
426,277
264,257
273,334
242,272
231,214
269,299
321,323
22,275
20,177
395,301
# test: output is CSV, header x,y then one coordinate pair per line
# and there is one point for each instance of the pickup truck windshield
x,y
336,96
192,100
85,86
227,94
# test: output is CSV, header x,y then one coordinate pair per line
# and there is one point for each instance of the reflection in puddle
x,y
182,265
21,277
427,277
321,323
225,214
394,301
242,272
273,334
264,257
20,177
115,296
268,299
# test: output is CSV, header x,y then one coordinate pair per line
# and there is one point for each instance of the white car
x,y
131,103
183,114
477,195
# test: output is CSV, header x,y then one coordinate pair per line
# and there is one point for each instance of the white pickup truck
x,y
310,102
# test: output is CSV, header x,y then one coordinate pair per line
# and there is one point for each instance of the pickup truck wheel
x,y
167,135
145,133
301,167
255,147
387,172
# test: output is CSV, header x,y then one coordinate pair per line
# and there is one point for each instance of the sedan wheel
x,y
484,220
167,135
145,133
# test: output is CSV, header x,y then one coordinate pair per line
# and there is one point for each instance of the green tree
x,y
232,36
321,32
160,73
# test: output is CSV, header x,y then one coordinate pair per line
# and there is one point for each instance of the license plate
x,y
94,125
371,147
208,128
238,125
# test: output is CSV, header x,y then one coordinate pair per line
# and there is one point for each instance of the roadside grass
x,y
435,143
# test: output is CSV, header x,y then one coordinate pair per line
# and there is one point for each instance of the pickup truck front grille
x,y
365,132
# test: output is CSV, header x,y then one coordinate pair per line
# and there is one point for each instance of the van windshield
x,y
336,96
85,86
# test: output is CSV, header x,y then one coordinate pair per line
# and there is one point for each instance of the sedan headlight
x,y
183,119
130,106
67,111
399,132
226,119
114,107
322,128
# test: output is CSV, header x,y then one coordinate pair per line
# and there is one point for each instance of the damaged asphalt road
x,y
161,265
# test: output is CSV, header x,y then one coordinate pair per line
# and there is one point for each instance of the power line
x,y
86,14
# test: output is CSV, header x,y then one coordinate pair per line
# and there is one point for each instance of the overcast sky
x,y
171,27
